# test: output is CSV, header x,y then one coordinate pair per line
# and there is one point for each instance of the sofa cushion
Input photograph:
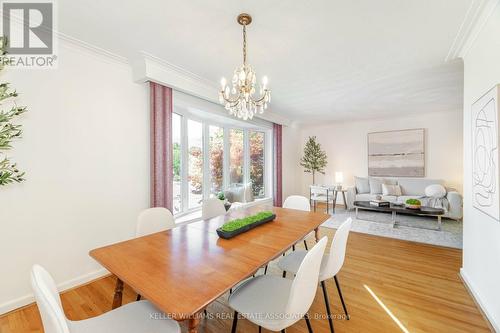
x,y
235,193
362,185
394,190
416,186
376,185
248,192
391,181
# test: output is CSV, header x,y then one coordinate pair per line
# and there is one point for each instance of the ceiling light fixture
x,y
239,99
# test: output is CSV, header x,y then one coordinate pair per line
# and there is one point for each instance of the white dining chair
x,y
153,220
330,265
300,203
134,317
276,303
212,207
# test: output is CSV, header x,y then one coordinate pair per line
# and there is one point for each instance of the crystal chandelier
x,y
239,99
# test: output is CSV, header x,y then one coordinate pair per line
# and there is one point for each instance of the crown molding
x,y
147,67
76,43
79,44
474,20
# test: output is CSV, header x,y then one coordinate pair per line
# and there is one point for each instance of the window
x,y
235,156
176,142
256,147
208,157
216,156
195,163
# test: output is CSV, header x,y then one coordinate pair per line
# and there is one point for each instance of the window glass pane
x,y
216,156
256,144
236,156
195,161
176,142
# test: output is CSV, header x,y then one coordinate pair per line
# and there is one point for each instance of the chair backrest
x,y
305,282
337,250
212,207
297,202
48,301
153,220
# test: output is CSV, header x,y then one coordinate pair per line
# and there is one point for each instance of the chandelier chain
x,y
244,44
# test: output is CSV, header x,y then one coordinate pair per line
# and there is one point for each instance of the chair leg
x,y
138,297
293,247
341,297
235,322
230,291
305,244
327,302
284,274
283,331
260,329
309,327
265,270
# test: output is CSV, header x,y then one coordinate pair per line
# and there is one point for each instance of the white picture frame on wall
x,y
485,156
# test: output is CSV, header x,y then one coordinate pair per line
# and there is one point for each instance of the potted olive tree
x,y
9,130
314,159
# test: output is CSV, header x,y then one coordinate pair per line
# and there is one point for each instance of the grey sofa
x,y
410,188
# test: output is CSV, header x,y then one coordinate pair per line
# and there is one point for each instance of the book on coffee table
x,y
380,203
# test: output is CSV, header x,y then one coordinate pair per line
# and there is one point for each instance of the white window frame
x,y
268,185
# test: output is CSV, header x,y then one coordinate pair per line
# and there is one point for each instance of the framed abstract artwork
x,y
397,153
484,137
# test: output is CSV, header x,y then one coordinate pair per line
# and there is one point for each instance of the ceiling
x,y
326,59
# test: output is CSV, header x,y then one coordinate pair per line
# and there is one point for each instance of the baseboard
x,y
64,286
472,290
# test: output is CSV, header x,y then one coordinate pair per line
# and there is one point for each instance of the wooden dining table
x,y
184,269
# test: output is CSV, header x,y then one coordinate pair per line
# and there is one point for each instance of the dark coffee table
x,y
394,209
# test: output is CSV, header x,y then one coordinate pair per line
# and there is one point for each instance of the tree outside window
x,y
216,148
236,156
256,144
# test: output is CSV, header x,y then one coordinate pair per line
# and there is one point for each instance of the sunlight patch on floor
x,y
386,309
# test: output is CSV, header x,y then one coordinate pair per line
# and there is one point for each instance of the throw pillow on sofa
x,y
435,191
362,185
391,190
376,185
235,193
248,192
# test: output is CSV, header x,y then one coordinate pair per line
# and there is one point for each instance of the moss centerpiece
x,y
413,204
238,226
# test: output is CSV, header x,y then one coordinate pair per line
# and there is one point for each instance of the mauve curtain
x,y
161,146
278,187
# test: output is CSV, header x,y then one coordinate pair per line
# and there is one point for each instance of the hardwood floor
x,y
389,285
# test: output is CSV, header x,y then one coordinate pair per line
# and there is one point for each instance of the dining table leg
x,y
117,298
193,323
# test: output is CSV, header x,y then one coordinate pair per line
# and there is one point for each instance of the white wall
x,y
481,252
345,144
85,151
